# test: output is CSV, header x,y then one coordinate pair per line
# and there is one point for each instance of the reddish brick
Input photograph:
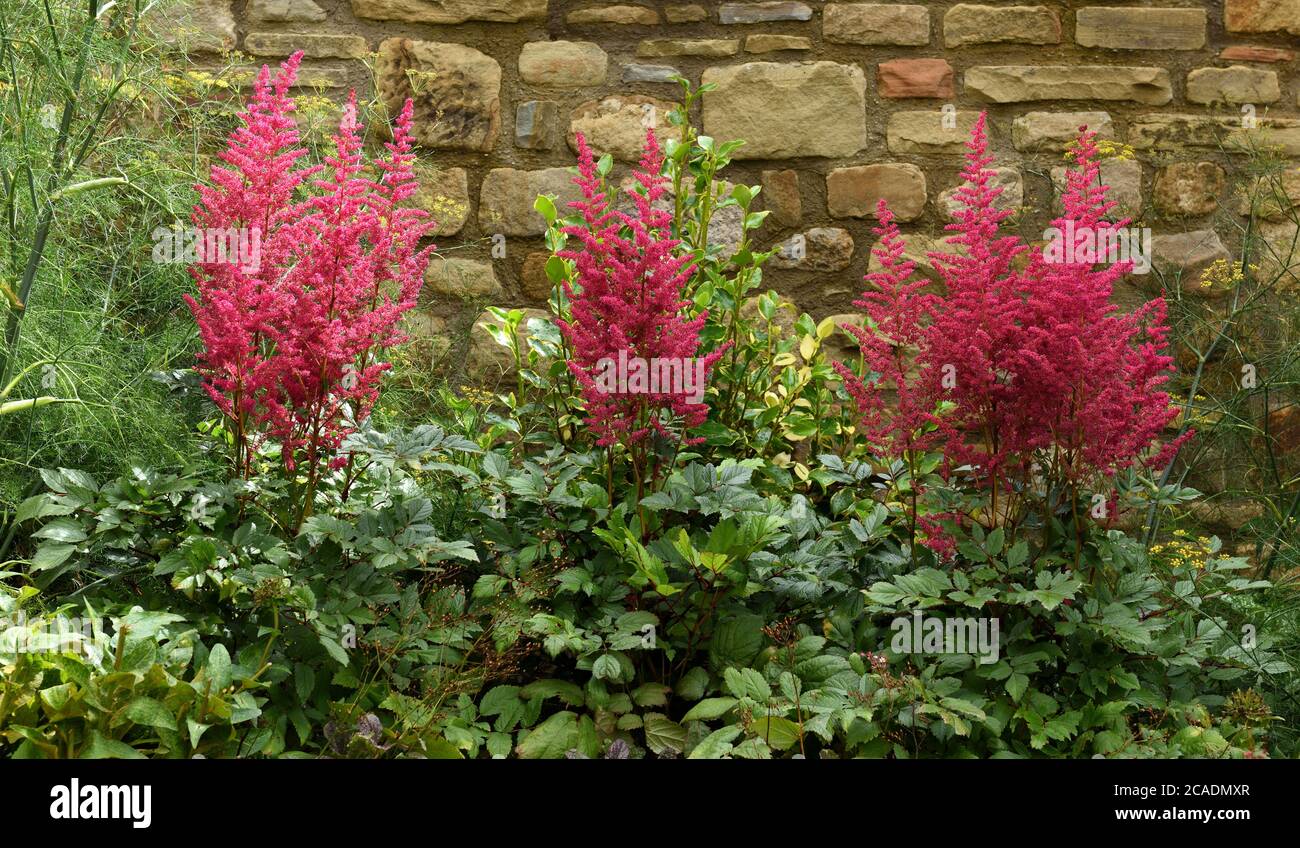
x,y
1251,53
915,78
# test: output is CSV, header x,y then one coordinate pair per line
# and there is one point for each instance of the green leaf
x,y
663,735
779,733
304,681
551,739
606,667
736,641
693,684
1016,686
546,207
51,555
651,695
716,745
101,747
748,683
61,530
710,708
149,712
570,693
333,648
218,667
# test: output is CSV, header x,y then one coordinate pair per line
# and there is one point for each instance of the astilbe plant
x,y
628,300
292,346
1028,378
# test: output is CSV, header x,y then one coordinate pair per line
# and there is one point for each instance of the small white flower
x,y
49,116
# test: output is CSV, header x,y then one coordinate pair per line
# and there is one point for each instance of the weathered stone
x,y
1175,132
1020,83
537,124
488,363
768,43
286,11
787,110
1185,256
931,131
1262,16
1252,53
1272,197
1130,28
821,249
465,278
649,73
457,93
967,23
1227,514
563,64
1280,133
200,26
853,192
1284,427
1188,188
900,78
315,46
662,48
1007,179
450,11
689,13
1279,256
626,15
757,13
1122,176
427,338
507,197
875,23
1237,84
618,124
314,77
781,197
444,194
532,277
1052,131
318,76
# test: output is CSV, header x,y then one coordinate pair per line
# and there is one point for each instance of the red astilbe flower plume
x,y
972,340
629,300
898,310
1097,371
1038,367
291,346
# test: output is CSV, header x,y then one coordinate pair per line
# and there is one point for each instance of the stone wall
x,y
839,104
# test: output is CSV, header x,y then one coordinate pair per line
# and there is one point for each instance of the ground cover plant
x,y
683,528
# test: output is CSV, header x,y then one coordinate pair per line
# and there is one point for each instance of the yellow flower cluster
x,y
1181,551
1106,149
316,110
1223,274
478,397
194,82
